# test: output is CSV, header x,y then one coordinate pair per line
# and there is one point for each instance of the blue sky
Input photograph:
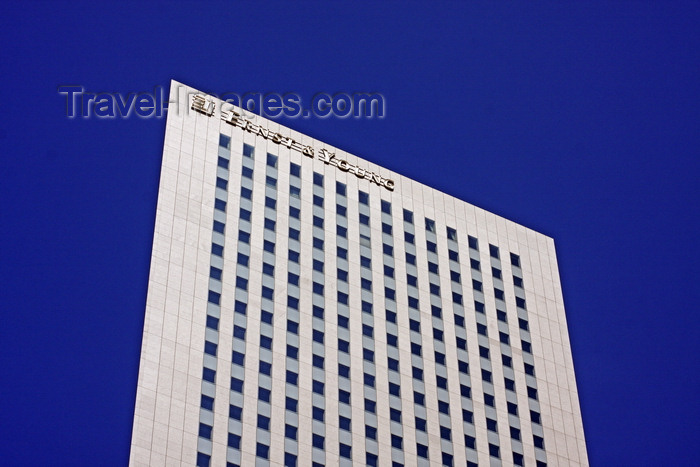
x,y
580,121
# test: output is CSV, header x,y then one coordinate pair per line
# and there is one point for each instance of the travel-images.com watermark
x,y
109,105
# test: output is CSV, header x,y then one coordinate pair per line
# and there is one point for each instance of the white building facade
x,y
308,308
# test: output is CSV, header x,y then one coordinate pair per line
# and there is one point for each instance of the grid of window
x,y
291,418
369,369
485,351
465,384
266,336
528,362
240,318
439,348
394,376
317,273
416,344
342,316
318,372
211,335
506,353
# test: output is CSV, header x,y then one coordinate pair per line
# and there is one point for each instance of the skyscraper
x,y
307,307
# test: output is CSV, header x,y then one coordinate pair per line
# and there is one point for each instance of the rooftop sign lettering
x,y
206,107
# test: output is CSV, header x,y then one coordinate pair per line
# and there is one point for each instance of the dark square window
x,y
491,425
340,188
262,451
370,432
207,402
318,361
483,352
421,424
494,451
467,416
344,396
292,352
295,169
539,441
443,407
364,219
290,431
518,459
489,400
486,375
341,210
535,417
263,422
268,293
408,216
343,370
529,369
432,246
397,442
463,367
394,389
395,415
418,398
342,253
345,451
223,163
246,193
470,441
364,198
514,433
512,408
234,441
318,200
217,250
294,212
235,412
237,385
224,141
265,368
515,259
532,393
507,361
422,450
318,179
210,348
291,404
247,172
510,384
209,375
318,387
409,238
370,406
445,433
318,413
